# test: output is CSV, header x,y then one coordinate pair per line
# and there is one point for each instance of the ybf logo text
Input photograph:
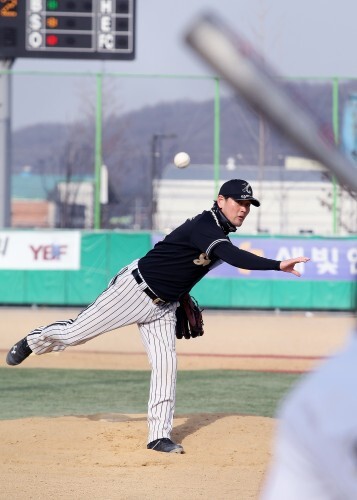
x,y
48,252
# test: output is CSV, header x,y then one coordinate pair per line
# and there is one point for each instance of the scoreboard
x,y
80,29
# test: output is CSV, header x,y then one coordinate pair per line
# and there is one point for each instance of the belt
x,y
138,279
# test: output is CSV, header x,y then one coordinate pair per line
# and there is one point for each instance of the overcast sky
x,y
309,38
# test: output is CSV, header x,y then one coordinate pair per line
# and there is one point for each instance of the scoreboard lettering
x,y
88,29
8,8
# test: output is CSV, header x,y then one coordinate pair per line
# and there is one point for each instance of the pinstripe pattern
x,y
159,340
124,303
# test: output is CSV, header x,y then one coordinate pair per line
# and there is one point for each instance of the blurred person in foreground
x,y
148,292
315,446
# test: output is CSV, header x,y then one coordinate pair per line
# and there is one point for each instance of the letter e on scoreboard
x,y
106,24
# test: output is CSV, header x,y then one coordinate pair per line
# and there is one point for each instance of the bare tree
x,y
73,158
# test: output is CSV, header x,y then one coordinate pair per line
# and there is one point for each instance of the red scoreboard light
x,y
81,29
51,40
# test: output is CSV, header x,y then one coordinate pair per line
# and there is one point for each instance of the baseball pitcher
x,y
148,292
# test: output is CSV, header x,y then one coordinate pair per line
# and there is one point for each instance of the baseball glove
x,y
189,321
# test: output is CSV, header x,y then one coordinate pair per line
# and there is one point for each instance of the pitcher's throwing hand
x,y
288,265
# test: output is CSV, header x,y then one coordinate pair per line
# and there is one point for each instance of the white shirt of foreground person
x,y
315,449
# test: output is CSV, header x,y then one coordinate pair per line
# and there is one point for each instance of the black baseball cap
x,y
238,190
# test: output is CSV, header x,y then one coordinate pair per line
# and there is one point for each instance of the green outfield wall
x,y
102,254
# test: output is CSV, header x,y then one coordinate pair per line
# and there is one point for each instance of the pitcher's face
x,y
235,210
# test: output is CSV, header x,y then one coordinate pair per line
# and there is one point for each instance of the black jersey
x,y
186,255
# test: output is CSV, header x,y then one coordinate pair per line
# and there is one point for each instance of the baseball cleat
x,y
18,352
165,445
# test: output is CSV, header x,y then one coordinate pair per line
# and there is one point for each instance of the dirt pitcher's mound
x,y
105,456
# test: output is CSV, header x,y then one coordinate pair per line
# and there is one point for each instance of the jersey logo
x,y
202,260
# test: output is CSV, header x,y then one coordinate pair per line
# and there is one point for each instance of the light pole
x,y
5,137
155,174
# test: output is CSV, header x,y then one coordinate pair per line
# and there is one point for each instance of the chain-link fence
x,y
96,150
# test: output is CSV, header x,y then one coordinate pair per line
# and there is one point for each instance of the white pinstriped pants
x,y
124,303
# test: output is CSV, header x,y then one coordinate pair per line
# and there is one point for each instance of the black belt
x,y
138,279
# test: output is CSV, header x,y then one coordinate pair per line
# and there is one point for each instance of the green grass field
x,y
55,392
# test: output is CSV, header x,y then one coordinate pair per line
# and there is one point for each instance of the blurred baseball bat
x,y
235,60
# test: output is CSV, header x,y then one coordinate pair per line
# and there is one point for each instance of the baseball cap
x,y
239,189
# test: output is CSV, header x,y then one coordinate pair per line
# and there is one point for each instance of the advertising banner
x,y
330,258
36,250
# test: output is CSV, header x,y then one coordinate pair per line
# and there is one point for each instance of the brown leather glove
x,y
189,321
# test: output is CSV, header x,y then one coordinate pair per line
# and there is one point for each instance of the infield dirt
x,y
104,456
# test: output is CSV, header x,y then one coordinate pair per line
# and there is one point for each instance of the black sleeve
x,y
243,259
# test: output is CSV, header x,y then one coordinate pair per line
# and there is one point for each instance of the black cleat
x,y
18,352
165,445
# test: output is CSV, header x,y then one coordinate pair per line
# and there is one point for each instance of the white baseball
x,y
182,160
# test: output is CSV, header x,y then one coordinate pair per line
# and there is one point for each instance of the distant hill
x,y
192,122
128,140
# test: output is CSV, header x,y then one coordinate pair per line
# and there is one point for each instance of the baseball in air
x,y
182,160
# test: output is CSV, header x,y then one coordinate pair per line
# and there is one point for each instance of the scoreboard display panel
x,y
80,29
